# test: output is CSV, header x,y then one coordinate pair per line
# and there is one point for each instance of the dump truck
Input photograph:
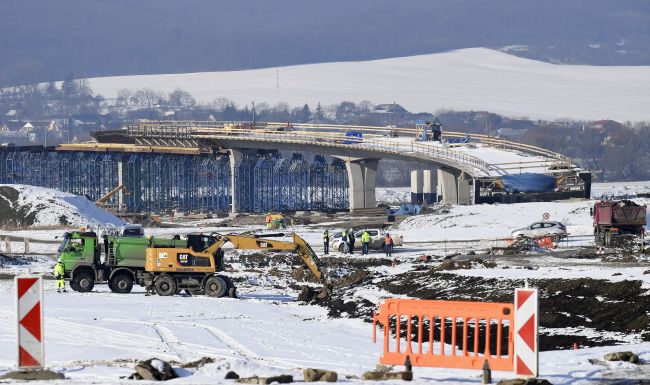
x,y
617,218
117,258
171,269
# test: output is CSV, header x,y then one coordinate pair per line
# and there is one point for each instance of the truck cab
x,y
80,254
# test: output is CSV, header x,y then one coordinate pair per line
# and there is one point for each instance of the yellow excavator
x,y
195,266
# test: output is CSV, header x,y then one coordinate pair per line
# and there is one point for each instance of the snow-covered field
x,y
467,79
97,337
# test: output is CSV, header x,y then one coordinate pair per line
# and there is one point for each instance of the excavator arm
x,y
252,242
309,257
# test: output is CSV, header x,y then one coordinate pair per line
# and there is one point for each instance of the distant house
x,y
89,120
27,128
511,133
13,114
13,125
605,124
393,108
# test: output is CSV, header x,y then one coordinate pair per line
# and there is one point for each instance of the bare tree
x,y
124,97
148,97
181,98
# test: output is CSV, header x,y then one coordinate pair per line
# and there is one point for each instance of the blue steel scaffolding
x,y
165,182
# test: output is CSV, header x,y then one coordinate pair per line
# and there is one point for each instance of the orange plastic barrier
x,y
448,334
545,242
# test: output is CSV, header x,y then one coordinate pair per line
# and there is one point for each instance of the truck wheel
x,y
228,281
383,246
216,286
165,285
122,283
83,282
195,292
608,238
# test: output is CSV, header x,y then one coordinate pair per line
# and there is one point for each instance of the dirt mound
x,y
25,206
13,214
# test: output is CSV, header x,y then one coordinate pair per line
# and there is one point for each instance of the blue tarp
x,y
458,140
355,137
528,183
406,209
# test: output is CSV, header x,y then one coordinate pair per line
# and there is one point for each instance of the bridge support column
x,y
429,192
456,187
362,176
417,187
235,156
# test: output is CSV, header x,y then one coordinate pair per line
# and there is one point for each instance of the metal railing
x,y
380,143
375,138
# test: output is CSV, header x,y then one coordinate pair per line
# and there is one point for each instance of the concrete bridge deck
x,y
462,170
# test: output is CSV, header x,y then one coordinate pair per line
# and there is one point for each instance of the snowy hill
x,y
467,79
30,206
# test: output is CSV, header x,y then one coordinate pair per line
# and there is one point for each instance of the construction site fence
x,y
461,334
448,334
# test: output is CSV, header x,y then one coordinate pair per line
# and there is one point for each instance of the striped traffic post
x,y
526,327
29,312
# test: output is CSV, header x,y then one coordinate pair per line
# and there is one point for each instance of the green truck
x,y
116,259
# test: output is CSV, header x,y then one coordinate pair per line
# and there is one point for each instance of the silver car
x,y
376,240
556,230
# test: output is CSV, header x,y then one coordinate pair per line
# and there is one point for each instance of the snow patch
x,y
50,207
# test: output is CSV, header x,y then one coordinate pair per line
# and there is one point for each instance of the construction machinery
x,y
616,218
124,258
195,267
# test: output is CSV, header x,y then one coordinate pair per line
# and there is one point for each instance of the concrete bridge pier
x,y
429,191
362,180
417,186
423,186
456,187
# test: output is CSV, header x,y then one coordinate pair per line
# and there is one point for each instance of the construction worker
x,y
365,242
344,239
388,245
59,276
326,242
351,240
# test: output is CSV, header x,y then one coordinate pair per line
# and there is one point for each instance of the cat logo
x,y
264,244
183,259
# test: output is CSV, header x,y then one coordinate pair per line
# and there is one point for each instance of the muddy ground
x,y
584,311
600,310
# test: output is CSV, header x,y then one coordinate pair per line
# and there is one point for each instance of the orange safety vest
x,y
388,240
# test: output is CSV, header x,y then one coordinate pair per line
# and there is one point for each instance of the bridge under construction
x,y
192,166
